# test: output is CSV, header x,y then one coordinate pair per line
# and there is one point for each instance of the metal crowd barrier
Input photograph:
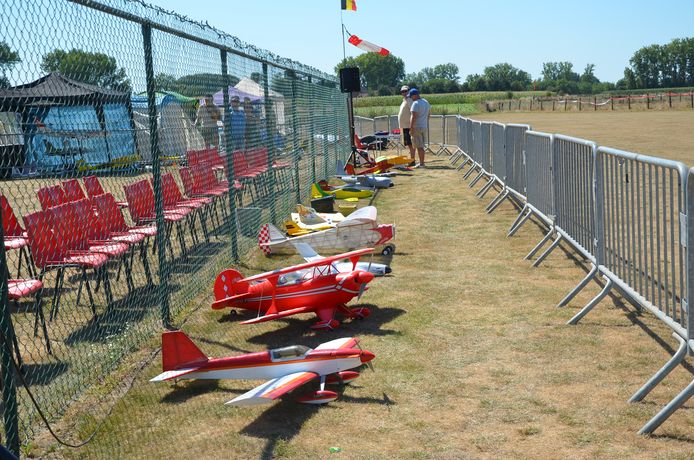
x,y
625,213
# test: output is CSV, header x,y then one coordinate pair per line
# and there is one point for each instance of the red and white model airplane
x,y
315,287
287,368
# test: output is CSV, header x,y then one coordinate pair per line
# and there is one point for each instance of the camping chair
x,y
14,236
73,190
50,196
94,188
112,223
50,250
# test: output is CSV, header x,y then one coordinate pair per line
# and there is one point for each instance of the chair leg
x,y
203,223
38,310
127,264
145,261
56,293
89,288
15,342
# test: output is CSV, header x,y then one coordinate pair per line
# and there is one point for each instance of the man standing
x,y
419,120
206,118
404,121
238,125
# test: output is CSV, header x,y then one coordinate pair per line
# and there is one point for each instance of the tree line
x,y
655,66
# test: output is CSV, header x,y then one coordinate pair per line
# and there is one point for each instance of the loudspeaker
x,y
349,79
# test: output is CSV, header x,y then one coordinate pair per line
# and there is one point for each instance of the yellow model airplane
x,y
341,193
306,220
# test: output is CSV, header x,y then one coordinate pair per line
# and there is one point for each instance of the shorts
x,y
406,139
418,137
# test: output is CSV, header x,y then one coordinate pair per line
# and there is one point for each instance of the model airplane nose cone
x,y
363,277
366,356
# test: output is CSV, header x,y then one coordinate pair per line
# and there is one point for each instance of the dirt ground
x,y
473,360
666,134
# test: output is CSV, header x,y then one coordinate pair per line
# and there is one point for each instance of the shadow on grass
x,y
43,374
181,392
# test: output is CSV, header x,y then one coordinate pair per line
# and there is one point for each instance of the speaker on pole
x,y
349,79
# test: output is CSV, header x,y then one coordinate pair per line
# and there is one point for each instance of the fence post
x,y
612,102
595,104
230,158
629,101
579,104
691,99
295,144
540,105
312,144
531,104
156,178
9,391
270,128
648,101
669,97
553,101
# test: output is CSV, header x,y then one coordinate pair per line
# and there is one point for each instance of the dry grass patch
x,y
473,359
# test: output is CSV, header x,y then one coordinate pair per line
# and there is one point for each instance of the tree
x,y
376,71
165,82
661,66
447,72
92,68
504,76
8,59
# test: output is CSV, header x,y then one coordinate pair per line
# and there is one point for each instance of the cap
x,y
235,98
404,88
412,92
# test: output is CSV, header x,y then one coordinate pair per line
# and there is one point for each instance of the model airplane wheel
x,y
388,250
319,397
361,312
326,325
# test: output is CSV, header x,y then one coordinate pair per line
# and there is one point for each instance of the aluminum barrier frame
x,y
461,145
429,141
497,152
514,145
481,140
465,144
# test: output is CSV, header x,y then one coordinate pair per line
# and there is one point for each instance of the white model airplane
x,y
358,230
310,255
287,368
367,180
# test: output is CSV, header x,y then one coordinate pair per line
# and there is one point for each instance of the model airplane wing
x,y
309,254
168,375
282,314
273,275
347,342
273,389
367,214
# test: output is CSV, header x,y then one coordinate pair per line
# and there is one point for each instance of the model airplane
x,y
373,180
310,255
287,368
313,287
382,165
340,193
358,230
307,220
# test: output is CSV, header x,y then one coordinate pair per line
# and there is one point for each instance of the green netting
x,y
126,190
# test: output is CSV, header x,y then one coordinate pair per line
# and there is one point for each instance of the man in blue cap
x,y
419,120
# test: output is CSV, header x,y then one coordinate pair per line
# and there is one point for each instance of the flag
x,y
350,5
367,46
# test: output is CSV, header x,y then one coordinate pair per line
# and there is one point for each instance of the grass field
x,y
473,359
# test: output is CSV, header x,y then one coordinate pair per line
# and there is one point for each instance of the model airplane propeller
x,y
314,287
287,368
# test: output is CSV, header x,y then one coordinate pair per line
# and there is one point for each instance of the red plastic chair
x,y
14,236
50,252
141,206
173,197
94,188
73,190
18,289
50,196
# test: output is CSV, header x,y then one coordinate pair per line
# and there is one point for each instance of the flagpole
x,y
342,23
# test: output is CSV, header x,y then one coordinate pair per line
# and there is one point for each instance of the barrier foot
x,y
483,191
551,248
520,220
476,179
457,155
463,164
469,171
497,201
542,242
584,282
658,377
670,408
596,300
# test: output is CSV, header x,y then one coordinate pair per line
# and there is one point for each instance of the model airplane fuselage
x,y
287,368
314,287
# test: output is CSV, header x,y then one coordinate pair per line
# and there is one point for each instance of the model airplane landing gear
x,y
327,325
341,378
388,249
360,312
319,397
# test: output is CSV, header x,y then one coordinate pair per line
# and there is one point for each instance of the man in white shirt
x,y
419,121
404,120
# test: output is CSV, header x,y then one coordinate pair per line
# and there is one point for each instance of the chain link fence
x,y
140,153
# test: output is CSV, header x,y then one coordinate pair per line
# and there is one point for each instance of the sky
x,y
471,34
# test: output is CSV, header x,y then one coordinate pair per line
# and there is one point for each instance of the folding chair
x,y
73,190
20,288
94,188
51,196
173,197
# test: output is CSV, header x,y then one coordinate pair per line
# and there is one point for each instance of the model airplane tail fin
x,y
178,351
268,235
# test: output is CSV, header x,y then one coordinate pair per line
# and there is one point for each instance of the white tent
x,y
249,86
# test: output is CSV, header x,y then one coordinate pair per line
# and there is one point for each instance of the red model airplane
x,y
287,368
317,287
